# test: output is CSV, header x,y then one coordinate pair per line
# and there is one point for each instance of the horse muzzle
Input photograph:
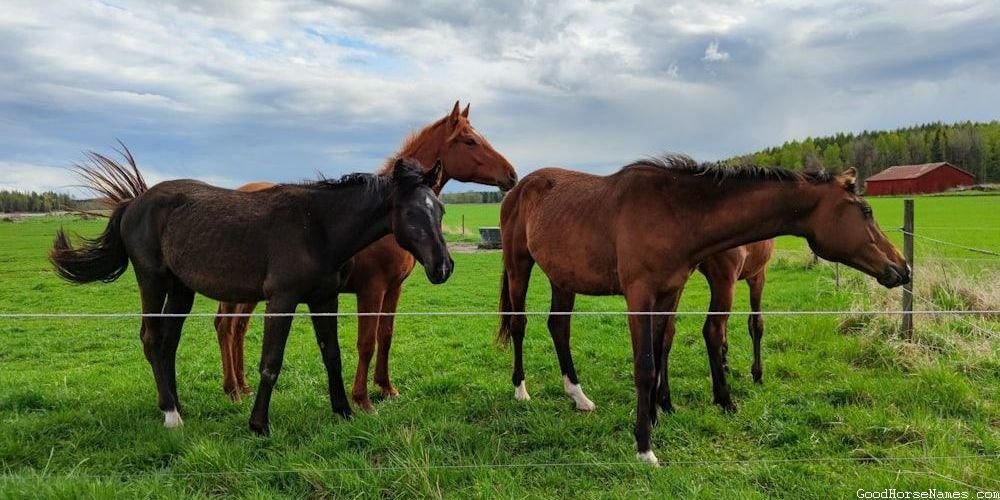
x,y
508,183
440,273
895,276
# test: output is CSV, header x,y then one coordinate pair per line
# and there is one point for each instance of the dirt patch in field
x,y
466,247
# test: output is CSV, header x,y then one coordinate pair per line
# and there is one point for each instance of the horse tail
x,y
103,258
503,335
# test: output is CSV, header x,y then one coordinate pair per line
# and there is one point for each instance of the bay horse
x,y
379,270
285,245
722,270
642,231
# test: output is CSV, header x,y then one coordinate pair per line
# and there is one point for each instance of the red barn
x,y
915,179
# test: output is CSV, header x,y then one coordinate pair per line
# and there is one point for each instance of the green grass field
x,y
837,412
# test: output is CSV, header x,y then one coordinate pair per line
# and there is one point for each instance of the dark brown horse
x,y
378,271
641,232
285,245
722,270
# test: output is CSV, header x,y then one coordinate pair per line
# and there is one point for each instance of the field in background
x,y
844,404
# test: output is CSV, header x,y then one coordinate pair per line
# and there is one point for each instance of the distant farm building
x,y
915,179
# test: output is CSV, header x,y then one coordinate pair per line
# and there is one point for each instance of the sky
x,y
236,91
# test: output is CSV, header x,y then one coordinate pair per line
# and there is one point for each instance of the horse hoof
x,y
366,405
172,419
648,457
666,406
390,392
728,407
343,412
521,392
246,390
575,392
260,429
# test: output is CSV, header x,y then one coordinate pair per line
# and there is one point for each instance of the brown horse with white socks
x,y
379,270
641,232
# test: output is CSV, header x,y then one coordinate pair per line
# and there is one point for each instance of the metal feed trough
x,y
489,237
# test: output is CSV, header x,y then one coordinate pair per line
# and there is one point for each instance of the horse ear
x,y
848,179
454,113
465,112
432,178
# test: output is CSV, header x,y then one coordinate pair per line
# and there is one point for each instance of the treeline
x,y
974,147
17,201
473,197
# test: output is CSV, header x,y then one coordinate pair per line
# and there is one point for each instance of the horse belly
x,y
215,263
580,265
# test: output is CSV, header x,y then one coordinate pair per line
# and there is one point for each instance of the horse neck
x,y
748,211
426,147
354,216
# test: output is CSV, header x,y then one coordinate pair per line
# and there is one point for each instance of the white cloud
x,y
713,54
40,178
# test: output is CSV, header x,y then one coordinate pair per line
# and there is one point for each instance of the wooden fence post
x,y
908,254
463,224
836,274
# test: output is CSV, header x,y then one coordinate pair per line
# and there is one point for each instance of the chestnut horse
x,y
379,270
285,245
743,263
641,232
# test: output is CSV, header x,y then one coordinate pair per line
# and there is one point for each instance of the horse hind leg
x,y
517,274
153,293
231,333
179,302
385,330
714,333
559,328
755,324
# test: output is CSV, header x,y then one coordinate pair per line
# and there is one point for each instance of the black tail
x,y
503,336
103,258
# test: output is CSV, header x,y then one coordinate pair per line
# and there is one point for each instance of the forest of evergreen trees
x,y
16,201
974,147
472,197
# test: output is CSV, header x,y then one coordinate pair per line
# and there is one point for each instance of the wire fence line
x,y
951,244
85,315
527,465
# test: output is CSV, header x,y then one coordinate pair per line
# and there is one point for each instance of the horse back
x,y
219,242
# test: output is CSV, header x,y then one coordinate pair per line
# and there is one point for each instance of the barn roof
x,y
900,172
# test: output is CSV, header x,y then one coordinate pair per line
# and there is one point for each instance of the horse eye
x,y
470,141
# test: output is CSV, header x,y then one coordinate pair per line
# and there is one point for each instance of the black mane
x,y
724,171
409,174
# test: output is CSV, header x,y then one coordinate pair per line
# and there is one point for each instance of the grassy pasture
x,y
837,411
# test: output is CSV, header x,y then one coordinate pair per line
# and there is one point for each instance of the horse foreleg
x,y
644,368
385,330
329,346
668,325
559,328
272,354
755,323
368,302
